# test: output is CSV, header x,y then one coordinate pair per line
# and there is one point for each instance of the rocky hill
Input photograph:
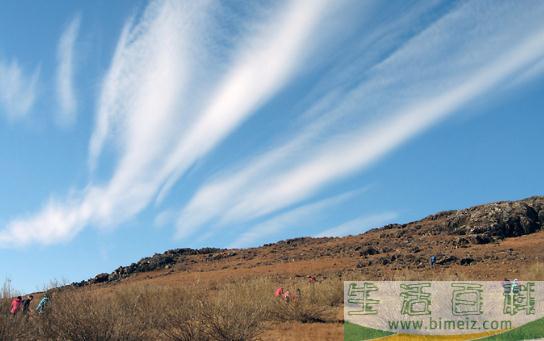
x,y
466,241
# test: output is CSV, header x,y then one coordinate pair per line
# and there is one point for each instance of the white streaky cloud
x,y
57,222
420,84
138,106
18,90
349,154
264,65
146,110
66,57
112,102
140,101
359,225
369,48
281,222
217,195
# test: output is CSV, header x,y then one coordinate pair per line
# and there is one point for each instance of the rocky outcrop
x,y
158,261
487,223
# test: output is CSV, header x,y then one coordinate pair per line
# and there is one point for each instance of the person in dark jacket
x,y
432,261
25,304
507,286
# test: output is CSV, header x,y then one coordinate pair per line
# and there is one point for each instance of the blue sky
x,y
128,128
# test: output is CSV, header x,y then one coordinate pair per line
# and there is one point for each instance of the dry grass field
x,y
208,305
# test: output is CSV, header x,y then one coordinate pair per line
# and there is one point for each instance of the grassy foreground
x,y
238,310
220,308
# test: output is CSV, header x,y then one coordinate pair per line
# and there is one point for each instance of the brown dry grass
x,y
233,311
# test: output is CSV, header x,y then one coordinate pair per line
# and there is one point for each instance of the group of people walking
x,y
20,304
511,286
287,296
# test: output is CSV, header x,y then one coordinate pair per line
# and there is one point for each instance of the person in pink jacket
x,y
15,305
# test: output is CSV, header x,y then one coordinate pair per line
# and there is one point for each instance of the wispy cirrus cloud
x,y
265,63
18,89
424,80
66,56
139,99
175,90
149,109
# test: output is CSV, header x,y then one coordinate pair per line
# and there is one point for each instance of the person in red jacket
x,y
16,305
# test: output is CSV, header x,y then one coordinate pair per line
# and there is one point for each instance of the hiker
x,y
26,303
433,261
15,305
311,279
43,303
286,296
515,286
506,286
278,292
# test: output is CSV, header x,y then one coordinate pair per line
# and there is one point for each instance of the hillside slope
x,y
491,241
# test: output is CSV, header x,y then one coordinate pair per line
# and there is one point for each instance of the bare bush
x,y
236,313
85,315
328,293
177,314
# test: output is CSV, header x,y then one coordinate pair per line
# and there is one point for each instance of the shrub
x,y
86,315
235,313
177,314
